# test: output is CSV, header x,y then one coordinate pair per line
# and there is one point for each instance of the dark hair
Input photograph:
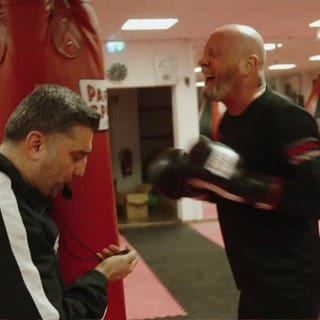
x,y
50,108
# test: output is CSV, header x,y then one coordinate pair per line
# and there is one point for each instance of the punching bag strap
x,y
66,36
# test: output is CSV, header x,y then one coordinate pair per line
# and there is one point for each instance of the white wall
x,y
142,61
140,58
124,133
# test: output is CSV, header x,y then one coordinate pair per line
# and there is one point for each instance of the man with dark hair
x,y
46,143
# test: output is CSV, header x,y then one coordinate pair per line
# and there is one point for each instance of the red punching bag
x,y
57,41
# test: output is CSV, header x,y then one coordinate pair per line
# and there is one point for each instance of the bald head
x,y
242,40
233,65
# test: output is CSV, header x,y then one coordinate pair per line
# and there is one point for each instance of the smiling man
x,y
46,143
263,175
267,186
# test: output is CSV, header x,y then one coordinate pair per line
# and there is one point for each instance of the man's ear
x,y
35,144
249,64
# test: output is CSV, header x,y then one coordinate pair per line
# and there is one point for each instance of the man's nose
x,y
200,62
80,168
203,61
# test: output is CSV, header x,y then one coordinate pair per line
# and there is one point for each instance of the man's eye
x,y
77,157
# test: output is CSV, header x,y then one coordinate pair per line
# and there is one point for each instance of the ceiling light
x,y
315,24
285,66
315,58
271,46
148,24
197,69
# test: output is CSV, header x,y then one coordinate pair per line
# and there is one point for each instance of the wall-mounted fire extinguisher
x,y
125,156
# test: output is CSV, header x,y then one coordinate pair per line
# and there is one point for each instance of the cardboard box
x,y
137,206
133,204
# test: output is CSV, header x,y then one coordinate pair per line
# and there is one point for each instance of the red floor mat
x,y
145,296
209,211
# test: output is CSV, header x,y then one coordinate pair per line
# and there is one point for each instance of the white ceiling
x,y
284,21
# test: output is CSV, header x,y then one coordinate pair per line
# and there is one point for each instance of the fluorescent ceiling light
x,y
197,69
284,66
271,46
200,84
315,58
148,24
315,24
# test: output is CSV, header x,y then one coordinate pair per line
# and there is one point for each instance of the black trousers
x,y
302,308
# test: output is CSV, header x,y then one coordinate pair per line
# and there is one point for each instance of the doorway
x,y
140,120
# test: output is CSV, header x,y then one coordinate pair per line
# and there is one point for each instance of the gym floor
x,y
183,271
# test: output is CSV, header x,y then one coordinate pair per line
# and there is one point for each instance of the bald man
x,y
274,251
264,175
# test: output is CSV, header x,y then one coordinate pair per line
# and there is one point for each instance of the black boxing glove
x,y
220,169
169,171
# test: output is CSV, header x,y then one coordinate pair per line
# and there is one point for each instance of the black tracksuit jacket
x,y
30,281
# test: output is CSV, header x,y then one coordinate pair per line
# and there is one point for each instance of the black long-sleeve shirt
x,y
31,286
275,253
